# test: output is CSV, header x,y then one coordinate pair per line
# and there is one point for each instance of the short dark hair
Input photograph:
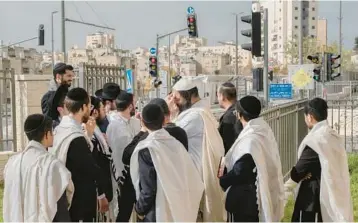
x,y
60,68
162,104
36,126
153,117
75,99
194,92
228,91
318,108
124,100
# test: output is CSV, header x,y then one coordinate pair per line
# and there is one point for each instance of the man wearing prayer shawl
x,y
120,132
128,199
35,181
205,146
253,182
164,192
103,156
73,147
321,173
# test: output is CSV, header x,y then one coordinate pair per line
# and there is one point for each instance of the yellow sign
x,y
301,78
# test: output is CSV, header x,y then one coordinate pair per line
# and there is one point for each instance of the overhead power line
x,y
98,17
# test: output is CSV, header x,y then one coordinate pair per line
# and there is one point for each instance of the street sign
x,y
280,91
163,75
190,10
129,75
301,76
152,51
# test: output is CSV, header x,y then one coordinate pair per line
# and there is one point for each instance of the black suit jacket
x,y
229,128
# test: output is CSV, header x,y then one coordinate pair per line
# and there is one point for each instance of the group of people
x,y
94,158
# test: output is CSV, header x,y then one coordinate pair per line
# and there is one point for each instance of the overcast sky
x,y
137,23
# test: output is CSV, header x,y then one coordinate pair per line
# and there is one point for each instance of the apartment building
x,y
284,19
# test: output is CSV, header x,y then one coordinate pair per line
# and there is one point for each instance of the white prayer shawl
x,y
335,195
179,188
34,182
102,141
120,133
113,205
212,149
258,140
64,134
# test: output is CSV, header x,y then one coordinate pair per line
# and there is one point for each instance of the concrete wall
x,y
29,90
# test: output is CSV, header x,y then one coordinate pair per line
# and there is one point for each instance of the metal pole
x,y
340,32
23,41
169,74
266,87
52,40
63,30
300,34
237,46
300,40
157,54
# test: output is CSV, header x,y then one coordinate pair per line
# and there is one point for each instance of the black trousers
x,y
242,217
306,216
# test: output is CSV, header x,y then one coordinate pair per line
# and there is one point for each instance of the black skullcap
x,y
34,123
152,114
228,85
77,94
249,106
162,104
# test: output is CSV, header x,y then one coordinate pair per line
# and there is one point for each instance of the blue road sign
x,y
152,51
281,91
190,10
129,75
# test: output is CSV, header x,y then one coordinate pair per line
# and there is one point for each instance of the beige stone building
x,y
100,40
322,33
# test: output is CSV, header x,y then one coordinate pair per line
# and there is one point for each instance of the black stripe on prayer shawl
x,y
115,174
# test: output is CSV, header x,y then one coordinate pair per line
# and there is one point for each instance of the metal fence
x,y
288,125
342,117
93,77
7,111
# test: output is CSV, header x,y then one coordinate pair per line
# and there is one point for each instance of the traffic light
x,y
270,75
41,35
157,82
254,33
331,66
153,68
257,84
192,27
317,70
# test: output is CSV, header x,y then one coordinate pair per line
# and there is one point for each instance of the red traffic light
x,y
153,60
191,19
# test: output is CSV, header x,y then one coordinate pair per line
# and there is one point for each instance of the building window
x,y
303,27
313,9
296,17
313,18
312,36
313,27
296,8
296,27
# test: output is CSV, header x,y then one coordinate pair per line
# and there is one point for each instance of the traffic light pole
x,y
266,85
23,41
157,52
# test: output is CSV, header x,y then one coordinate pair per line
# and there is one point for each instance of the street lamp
x,y
52,40
237,41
